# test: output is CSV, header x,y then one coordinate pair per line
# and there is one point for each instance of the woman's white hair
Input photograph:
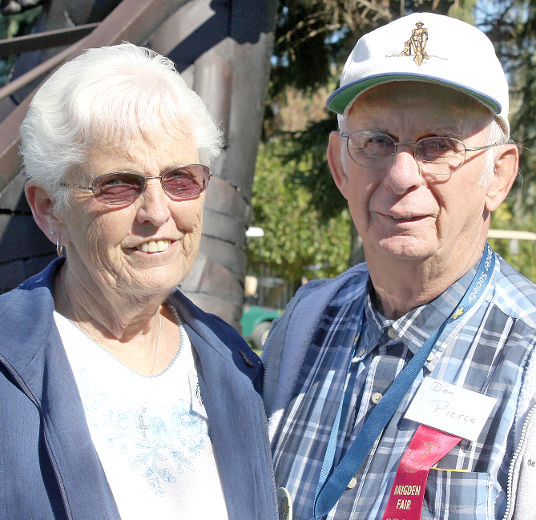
x,y
105,96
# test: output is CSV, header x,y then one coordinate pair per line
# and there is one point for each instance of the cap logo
x,y
416,45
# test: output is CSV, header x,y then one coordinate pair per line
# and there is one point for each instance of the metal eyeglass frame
x,y
413,146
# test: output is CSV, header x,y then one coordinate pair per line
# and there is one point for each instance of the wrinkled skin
x,y
420,233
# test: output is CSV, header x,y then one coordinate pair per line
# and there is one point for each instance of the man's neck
x,y
401,285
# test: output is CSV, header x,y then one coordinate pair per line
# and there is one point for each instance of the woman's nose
x,y
155,204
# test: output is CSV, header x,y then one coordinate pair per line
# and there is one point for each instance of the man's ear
x,y
504,175
44,213
335,163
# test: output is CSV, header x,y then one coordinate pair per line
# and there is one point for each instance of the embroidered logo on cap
x,y
416,45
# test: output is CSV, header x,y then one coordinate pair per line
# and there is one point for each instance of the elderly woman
x,y
119,398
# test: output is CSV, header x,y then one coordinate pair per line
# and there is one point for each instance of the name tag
x,y
195,394
450,408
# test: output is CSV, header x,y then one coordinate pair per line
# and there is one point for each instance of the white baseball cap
x,y
426,47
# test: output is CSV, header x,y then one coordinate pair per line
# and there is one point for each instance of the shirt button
x,y
392,333
376,397
361,353
352,483
430,357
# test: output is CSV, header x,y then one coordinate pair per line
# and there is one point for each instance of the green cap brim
x,y
339,100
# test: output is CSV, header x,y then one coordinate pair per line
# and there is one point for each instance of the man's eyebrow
x,y
447,131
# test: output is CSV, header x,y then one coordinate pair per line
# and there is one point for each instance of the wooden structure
x,y
222,49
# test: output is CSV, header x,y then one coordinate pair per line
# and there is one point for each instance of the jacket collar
x,y
23,346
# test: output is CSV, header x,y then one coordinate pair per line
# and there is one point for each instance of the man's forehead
x,y
404,91
417,107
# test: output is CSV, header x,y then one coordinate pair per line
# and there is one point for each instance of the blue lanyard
x,y
330,489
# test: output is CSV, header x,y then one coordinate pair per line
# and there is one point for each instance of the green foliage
x,y
296,233
521,254
312,35
310,148
511,25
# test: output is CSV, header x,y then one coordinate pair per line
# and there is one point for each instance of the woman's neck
x,y
142,334
104,314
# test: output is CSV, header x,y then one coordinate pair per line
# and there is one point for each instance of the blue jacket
x,y
49,468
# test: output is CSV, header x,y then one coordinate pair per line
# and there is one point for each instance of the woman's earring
x,y
60,250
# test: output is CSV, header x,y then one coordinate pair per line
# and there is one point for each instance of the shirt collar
x,y
415,327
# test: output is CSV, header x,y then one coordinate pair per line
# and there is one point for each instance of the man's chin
x,y
409,248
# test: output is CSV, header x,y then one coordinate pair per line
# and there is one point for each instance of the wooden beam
x,y
131,20
45,40
511,234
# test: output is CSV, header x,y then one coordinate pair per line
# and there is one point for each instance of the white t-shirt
x,y
151,433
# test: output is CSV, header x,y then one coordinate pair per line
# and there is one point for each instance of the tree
x,y
18,23
511,25
300,240
312,41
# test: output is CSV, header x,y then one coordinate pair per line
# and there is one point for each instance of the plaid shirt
x,y
484,351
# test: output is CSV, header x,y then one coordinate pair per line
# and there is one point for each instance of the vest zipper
x,y
269,459
509,500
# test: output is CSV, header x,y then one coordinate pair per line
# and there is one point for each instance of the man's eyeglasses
x,y
123,188
434,155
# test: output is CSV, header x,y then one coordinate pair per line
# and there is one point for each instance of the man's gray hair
x,y
496,135
109,95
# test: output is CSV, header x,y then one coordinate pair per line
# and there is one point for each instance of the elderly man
x,y
404,388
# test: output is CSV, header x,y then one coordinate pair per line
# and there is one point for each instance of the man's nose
x,y
404,172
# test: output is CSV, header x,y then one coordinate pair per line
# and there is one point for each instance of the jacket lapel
x,y
37,357
70,442
236,416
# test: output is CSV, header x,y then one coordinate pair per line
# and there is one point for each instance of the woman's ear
x,y
44,213
504,175
336,165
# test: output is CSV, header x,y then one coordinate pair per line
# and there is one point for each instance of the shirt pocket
x,y
455,495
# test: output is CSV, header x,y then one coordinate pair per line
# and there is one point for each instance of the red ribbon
x,y
426,448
